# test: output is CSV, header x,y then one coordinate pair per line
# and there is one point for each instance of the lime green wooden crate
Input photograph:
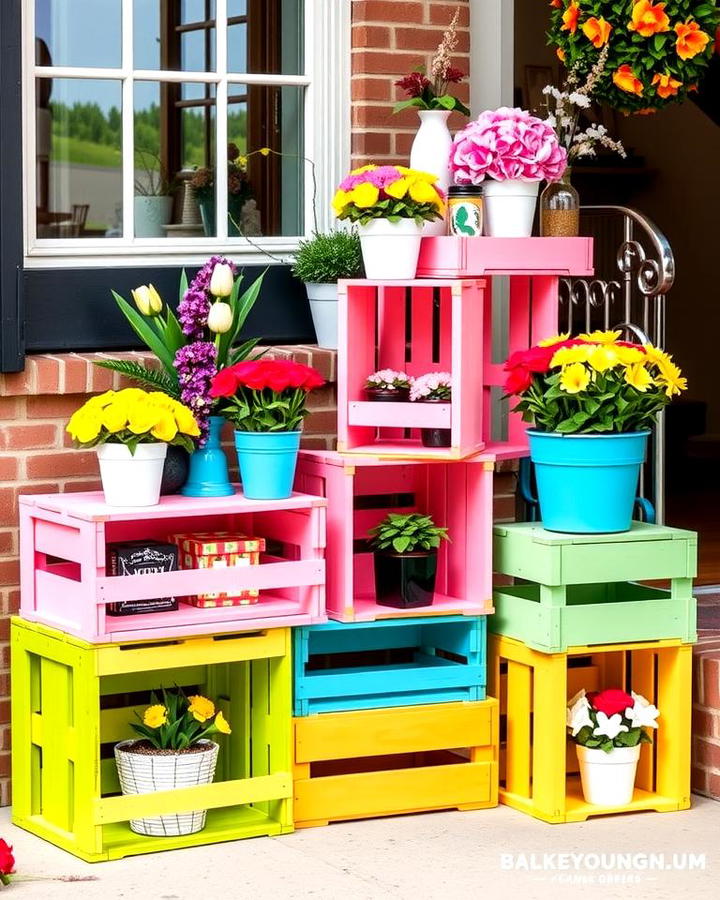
x,y
583,588
72,701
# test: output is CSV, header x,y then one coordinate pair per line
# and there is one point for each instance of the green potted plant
x,y
153,196
406,550
172,751
388,386
321,262
238,188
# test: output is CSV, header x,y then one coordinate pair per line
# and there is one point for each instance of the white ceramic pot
x,y
608,779
430,152
129,480
324,309
151,214
390,249
509,207
143,773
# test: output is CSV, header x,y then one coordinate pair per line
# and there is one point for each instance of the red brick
x,y
59,465
28,437
371,144
47,375
699,780
377,62
403,143
4,656
705,723
76,375
428,39
706,753
711,683
19,383
9,571
100,379
7,542
4,764
5,739
321,422
8,468
323,397
13,604
504,508
72,487
370,36
442,14
713,788
371,88
10,407
315,443
54,407
386,11
369,116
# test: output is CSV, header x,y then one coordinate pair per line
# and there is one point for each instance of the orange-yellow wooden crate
x,y
538,763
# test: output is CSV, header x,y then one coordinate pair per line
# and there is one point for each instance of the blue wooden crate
x,y
391,662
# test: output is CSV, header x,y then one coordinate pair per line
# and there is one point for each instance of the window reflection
x,y
80,32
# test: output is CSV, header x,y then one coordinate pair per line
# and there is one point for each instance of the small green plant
x,y
326,258
407,533
179,721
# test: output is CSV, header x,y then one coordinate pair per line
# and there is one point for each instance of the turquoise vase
x,y
267,462
208,466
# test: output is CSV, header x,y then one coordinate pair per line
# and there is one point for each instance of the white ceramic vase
x,y
324,309
129,480
151,215
608,779
390,249
430,152
509,207
143,773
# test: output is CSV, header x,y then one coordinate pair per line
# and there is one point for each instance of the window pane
x,y
79,158
78,33
174,36
265,37
269,195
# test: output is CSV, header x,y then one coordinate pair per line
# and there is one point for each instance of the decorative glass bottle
x,y
560,209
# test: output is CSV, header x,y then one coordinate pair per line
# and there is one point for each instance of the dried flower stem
x,y
441,62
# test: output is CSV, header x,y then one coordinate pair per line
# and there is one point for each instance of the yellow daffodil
x,y
221,724
603,357
340,200
155,716
574,378
166,427
629,355
558,339
670,378
637,376
84,425
115,418
600,337
398,189
423,192
565,356
201,708
364,195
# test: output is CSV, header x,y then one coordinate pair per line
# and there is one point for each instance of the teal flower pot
x,y
587,482
208,476
267,462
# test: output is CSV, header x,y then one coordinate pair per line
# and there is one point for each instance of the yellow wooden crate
x,y
383,762
538,764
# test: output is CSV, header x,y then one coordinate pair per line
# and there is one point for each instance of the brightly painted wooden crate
x,y
64,582
433,326
539,772
385,762
72,701
360,491
397,662
583,588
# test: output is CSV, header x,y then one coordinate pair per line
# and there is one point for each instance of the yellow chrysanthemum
x,y
115,417
398,189
558,339
201,708
565,356
166,427
670,378
155,716
574,378
637,376
364,195
656,355
84,425
340,200
603,357
221,724
422,176
423,192
629,355
600,337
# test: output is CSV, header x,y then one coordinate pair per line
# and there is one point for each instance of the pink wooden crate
x,y
434,325
64,583
462,257
360,491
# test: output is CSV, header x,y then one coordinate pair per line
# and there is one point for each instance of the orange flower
x,y
691,40
649,19
570,18
597,31
692,88
667,86
556,4
560,54
648,111
625,79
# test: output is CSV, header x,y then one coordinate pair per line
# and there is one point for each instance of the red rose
x,y
611,701
518,380
7,860
224,384
536,359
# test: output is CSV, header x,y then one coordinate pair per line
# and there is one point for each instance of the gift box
x,y
141,558
219,550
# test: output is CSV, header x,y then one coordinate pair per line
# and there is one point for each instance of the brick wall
x,y
706,715
390,39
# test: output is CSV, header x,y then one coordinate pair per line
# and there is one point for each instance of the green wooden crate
x,y
72,701
582,589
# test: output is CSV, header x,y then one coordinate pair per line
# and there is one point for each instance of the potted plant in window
x,y
388,386
592,400
173,751
435,387
239,192
153,197
131,430
266,401
321,262
406,549
389,204
608,730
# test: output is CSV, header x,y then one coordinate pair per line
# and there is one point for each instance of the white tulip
x,y
609,726
221,283
220,318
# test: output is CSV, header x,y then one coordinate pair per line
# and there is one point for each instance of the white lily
x,y
578,713
222,280
610,726
642,713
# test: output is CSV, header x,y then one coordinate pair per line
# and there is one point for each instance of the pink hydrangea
x,y
381,177
433,386
507,144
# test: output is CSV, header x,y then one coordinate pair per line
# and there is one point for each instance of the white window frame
x,y
326,142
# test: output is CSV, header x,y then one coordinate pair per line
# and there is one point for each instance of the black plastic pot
x,y
436,437
405,580
388,395
175,470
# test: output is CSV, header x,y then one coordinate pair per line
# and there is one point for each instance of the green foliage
x,y
326,258
392,210
152,379
445,102
187,720
407,533
266,410
631,738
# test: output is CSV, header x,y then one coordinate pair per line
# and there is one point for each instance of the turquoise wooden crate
x,y
583,588
391,662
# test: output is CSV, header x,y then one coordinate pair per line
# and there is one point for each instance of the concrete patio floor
x,y
442,855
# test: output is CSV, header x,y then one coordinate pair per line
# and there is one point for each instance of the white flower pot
x,y
151,214
143,773
390,249
324,309
510,207
430,152
608,779
129,480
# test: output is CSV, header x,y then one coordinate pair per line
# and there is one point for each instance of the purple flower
x,y
196,367
194,307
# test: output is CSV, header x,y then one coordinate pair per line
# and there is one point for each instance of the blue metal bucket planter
x,y
587,482
267,462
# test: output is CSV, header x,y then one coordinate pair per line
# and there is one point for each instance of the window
x,y
134,107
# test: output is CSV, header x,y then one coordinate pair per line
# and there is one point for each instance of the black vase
x,y
436,437
388,395
175,470
405,580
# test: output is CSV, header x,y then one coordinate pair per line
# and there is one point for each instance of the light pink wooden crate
x,y
433,325
64,582
360,491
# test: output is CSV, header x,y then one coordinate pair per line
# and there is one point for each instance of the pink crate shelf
x,y
428,325
462,257
360,491
64,582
